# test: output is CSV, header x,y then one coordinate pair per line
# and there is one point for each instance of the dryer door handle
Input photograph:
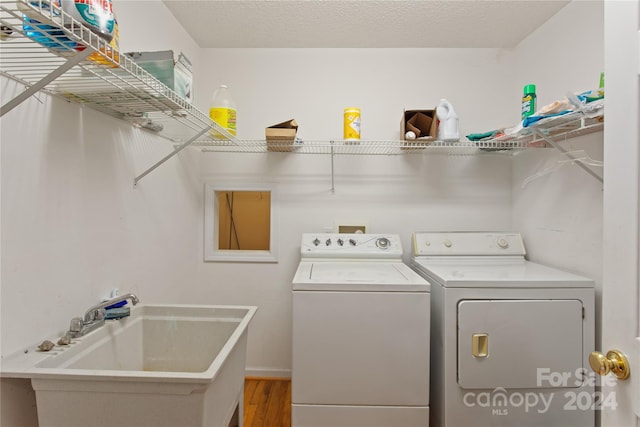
x,y
480,345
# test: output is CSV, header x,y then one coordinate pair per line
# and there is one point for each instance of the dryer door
x,y
520,343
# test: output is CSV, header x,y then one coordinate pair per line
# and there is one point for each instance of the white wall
x,y
397,194
560,214
315,85
408,193
73,226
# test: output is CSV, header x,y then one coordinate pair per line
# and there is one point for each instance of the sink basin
x,y
165,365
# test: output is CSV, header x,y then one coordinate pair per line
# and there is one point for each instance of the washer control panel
x,y
467,243
343,245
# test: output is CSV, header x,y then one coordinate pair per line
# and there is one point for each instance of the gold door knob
x,y
615,361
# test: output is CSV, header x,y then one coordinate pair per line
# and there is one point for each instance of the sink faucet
x,y
94,316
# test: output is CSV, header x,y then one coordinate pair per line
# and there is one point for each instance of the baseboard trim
x,y
266,373
250,378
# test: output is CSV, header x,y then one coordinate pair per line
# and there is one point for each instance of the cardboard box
x,y
176,75
281,137
423,123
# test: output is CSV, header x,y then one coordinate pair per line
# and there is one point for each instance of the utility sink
x,y
165,365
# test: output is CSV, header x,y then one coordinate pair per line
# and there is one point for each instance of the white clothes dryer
x,y
360,334
510,338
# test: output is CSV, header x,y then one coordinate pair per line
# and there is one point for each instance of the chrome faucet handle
x,y
76,324
96,315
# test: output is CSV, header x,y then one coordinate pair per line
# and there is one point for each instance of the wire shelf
x,y
68,60
346,147
554,129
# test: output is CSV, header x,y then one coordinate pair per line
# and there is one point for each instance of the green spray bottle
x,y
529,101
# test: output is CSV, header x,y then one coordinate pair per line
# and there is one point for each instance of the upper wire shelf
x,y
97,75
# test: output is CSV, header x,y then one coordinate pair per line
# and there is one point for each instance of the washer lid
x,y
465,272
357,276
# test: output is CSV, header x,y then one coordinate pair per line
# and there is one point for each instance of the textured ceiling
x,y
361,23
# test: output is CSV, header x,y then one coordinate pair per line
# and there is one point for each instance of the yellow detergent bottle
x,y
223,111
111,50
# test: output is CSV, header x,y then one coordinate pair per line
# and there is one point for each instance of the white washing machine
x,y
360,334
510,338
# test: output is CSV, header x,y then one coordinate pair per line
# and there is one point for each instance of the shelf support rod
x,y
568,155
170,155
333,187
31,90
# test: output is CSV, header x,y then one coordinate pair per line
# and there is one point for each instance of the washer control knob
x,y
328,242
340,242
383,243
352,242
503,243
448,243
316,241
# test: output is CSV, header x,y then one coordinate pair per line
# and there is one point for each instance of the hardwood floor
x,y
267,402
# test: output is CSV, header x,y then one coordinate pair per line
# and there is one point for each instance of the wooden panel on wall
x,y
244,219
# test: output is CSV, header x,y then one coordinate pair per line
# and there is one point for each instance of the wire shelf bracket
x,y
568,154
168,156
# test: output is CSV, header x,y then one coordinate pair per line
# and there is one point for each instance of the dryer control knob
x,y
503,243
448,243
